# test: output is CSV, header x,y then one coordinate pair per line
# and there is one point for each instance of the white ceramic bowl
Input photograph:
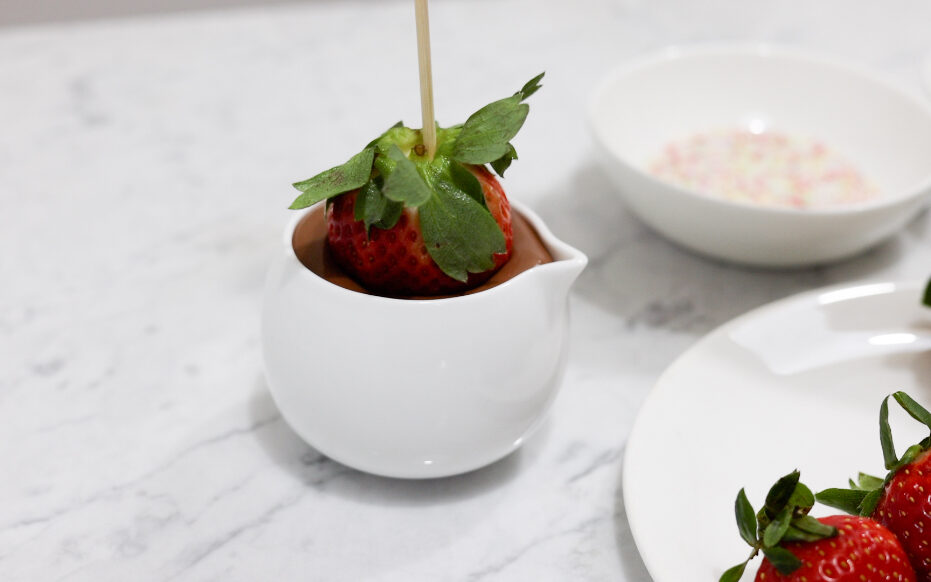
x,y
884,131
417,388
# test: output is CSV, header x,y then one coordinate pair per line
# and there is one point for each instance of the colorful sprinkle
x,y
768,168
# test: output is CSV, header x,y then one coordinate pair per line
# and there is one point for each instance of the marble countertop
x,y
144,178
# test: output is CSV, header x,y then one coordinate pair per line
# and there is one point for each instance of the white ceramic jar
x,y
417,388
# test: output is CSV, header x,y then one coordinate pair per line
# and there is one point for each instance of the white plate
x,y
795,384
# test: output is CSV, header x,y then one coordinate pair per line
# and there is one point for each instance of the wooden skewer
x,y
426,77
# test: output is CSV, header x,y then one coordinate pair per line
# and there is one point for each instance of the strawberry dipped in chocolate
x,y
800,548
402,222
902,500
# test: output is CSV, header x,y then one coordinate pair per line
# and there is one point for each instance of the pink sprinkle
x,y
771,168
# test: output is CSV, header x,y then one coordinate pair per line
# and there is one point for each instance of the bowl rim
x,y
568,257
762,50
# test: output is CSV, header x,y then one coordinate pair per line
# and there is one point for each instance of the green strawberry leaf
x,y
802,498
869,503
370,204
915,410
926,300
391,215
456,250
405,184
885,436
446,140
531,86
733,574
396,135
467,182
773,533
847,500
485,136
504,162
349,176
794,534
762,520
909,456
780,494
783,560
814,527
868,482
373,208
797,534
746,520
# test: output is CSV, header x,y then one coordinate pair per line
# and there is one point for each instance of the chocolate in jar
x,y
309,242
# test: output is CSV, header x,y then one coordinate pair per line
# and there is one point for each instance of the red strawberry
x,y
862,550
901,501
905,508
407,219
395,261
800,548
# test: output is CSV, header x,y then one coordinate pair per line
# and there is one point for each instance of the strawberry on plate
x,y
401,221
902,500
800,548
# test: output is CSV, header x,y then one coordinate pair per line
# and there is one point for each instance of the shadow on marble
x,y
655,284
631,562
329,477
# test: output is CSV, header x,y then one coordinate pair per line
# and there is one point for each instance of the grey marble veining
x,y
144,171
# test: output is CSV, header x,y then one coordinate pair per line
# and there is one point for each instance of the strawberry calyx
x,y
926,298
783,518
864,494
395,171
